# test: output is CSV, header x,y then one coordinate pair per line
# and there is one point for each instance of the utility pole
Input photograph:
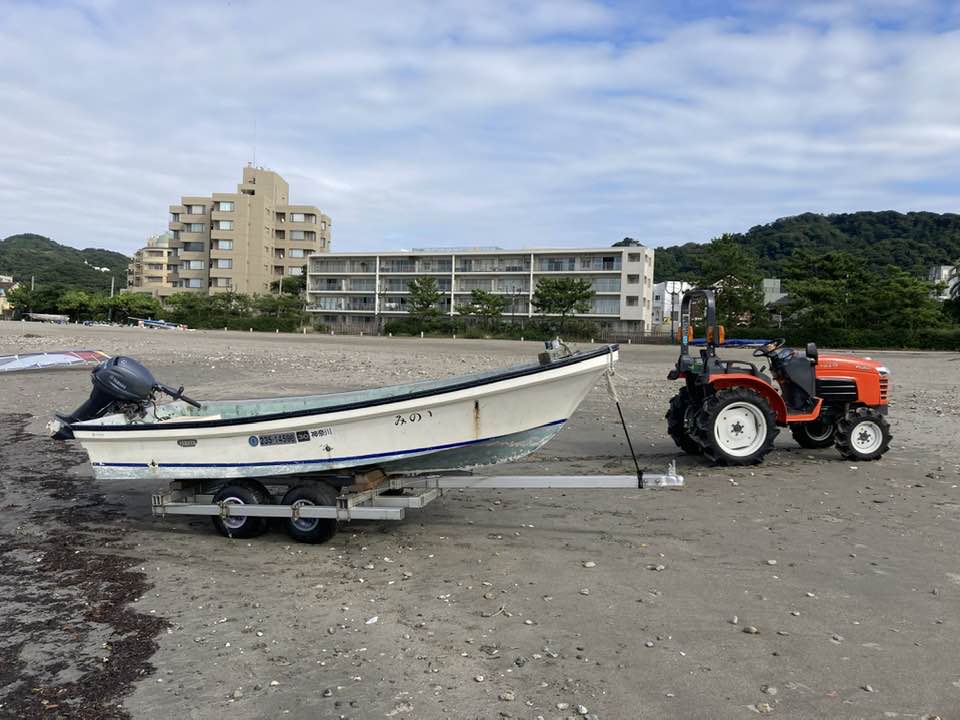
x,y
111,285
31,283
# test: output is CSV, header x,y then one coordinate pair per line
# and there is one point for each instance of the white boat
x,y
438,425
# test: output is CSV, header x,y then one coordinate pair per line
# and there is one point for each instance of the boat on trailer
x,y
317,460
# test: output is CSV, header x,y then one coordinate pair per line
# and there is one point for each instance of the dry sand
x,y
849,574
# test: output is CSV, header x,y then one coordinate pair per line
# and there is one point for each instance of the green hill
x,y
912,241
50,263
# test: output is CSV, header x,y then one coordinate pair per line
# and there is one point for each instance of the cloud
x,y
457,123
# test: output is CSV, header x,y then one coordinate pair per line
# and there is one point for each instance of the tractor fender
x,y
751,382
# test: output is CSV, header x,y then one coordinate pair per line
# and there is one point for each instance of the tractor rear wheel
x,y
676,423
814,434
735,426
863,434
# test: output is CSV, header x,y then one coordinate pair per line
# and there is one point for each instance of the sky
x,y
434,123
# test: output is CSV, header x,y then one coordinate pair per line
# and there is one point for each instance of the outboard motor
x,y
120,384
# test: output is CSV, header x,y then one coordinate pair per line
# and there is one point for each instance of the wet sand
x,y
848,573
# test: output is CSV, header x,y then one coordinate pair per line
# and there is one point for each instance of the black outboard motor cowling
x,y
117,380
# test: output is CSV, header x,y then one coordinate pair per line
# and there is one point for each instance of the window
x,y
221,282
633,279
195,227
223,224
224,244
193,247
605,306
196,209
295,271
632,300
280,234
224,206
248,192
302,217
174,217
224,264
297,253
606,284
193,264
278,253
297,235
193,283
634,257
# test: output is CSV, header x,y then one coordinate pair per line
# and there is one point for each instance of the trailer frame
x,y
374,495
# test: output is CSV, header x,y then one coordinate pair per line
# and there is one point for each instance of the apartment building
x,y
153,268
666,302
360,289
7,283
241,241
947,277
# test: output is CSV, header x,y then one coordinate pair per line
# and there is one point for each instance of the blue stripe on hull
x,y
348,458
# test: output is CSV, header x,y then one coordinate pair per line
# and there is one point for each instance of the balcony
x,y
322,265
349,304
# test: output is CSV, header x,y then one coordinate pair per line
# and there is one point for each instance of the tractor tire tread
x,y
706,418
846,424
676,423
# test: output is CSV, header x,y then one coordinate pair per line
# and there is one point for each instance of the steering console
x,y
770,348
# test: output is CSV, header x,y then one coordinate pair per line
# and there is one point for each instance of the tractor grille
x,y
884,386
837,390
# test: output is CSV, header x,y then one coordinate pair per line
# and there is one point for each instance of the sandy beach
x,y
804,587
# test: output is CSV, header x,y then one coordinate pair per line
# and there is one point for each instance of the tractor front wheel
x,y
863,434
735,426
677,423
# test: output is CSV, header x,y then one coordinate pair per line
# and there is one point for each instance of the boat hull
x,y
497,421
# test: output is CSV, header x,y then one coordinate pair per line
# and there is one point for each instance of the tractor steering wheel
x,y
770,347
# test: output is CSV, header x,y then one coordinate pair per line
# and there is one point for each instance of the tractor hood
x,y
851,364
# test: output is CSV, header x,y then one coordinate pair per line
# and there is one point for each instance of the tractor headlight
x,y
883,370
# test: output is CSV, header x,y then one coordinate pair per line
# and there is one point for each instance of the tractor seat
x,y
798,376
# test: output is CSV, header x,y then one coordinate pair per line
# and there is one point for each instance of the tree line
x,y
236,311
484,315
833,298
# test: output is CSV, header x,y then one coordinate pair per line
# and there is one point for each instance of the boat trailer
x,y
372,496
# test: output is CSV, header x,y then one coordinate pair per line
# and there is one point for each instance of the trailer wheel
x,y
735,426
863,434
241,526
311,530
676,423
814,434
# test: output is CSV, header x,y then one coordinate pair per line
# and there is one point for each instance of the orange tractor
x,y
730,410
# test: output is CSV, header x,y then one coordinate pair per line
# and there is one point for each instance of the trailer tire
x,y
676,423
735,415
311,530
241,526
863,434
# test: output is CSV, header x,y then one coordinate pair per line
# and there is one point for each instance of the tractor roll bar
x,y
710,298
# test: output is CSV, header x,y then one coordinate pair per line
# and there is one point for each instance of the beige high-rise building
x,y
240,242
154,267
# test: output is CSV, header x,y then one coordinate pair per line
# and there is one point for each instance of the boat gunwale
x,y
507,374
